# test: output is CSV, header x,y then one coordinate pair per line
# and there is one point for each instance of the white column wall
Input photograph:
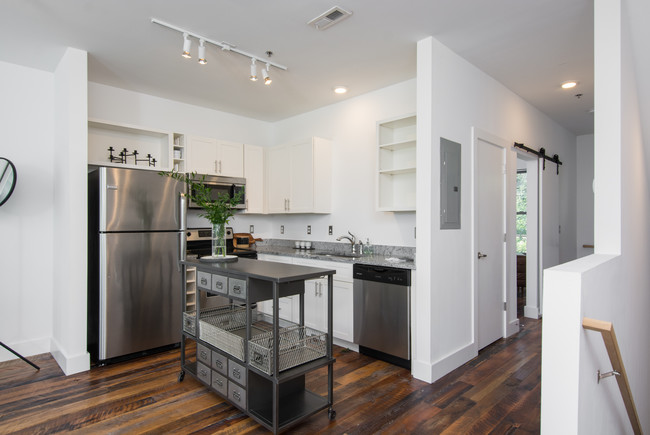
x,y
70,212
463,97
613,284
26,230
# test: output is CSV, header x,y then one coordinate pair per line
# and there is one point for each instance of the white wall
x,y
121,106
351,126
70,212
585,194
454,96
26,229
611,285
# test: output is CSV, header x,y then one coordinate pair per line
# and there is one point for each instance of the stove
x,y
199,244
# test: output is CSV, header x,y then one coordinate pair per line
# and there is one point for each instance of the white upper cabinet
x,y
299,177
254,174
215,157
396,164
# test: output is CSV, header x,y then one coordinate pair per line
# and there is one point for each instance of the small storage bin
x,y
237,288
297,345
220,383
203,354
219,363
204,373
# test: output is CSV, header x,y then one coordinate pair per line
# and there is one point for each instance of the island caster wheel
x,y
181,376
331,414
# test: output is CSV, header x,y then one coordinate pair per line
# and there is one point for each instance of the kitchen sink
x,y
337,254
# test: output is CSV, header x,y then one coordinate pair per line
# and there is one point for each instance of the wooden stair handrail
x,y
611,344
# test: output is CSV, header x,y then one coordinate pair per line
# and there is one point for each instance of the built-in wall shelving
x,y
396,142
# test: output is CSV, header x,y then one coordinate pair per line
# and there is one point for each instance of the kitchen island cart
x,y
258,362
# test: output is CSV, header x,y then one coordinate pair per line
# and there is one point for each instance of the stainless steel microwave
x,y
222,185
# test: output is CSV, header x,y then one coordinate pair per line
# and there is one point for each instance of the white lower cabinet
x,y
316,299
316,303
289,308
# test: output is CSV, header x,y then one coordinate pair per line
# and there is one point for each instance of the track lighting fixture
x,y
253,76
187,44
265,74
202,60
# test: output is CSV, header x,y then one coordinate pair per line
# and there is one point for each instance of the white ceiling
x,y
531,46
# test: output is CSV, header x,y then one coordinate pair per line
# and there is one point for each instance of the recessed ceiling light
x,y
340,89
569,85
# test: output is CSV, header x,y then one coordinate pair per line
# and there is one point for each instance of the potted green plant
x,y
218,211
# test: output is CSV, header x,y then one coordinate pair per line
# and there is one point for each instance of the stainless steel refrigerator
x,y
136,236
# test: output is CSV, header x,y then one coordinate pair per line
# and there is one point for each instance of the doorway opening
x,y
521,220
527,236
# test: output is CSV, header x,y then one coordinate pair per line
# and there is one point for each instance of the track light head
x,y
265,74
253,76
187,44
202,60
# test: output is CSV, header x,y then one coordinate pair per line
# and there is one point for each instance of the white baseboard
x,y
512,328
25,348
346,344
431,372
531,312
70,364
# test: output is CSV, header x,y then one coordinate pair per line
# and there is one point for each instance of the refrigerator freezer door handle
x,y
182,212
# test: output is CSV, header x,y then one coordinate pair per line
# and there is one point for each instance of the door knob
x,y
481,255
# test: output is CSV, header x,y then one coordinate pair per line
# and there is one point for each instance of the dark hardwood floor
x,y
497,392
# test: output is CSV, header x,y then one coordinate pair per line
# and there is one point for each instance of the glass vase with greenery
x,y
217,210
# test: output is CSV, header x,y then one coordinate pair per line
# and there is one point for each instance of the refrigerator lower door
x,y
140,294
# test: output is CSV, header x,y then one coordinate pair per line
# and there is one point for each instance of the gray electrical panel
x,y
449,185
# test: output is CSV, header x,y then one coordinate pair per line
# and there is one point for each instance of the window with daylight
x,y
522,218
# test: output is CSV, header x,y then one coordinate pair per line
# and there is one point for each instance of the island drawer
x,y
237,288
203,354
203,280
220,284
220,363
203,373
220,383
237,394
237,372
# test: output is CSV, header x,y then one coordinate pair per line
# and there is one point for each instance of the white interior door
x,y
490,244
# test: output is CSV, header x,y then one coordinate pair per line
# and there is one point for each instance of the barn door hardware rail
x,y
542,154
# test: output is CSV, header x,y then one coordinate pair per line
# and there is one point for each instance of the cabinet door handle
x,y
219,382
481,255
219,285
288,204
204,355
216,168
219,364
236,374
236,396
204,281
220,166
236,289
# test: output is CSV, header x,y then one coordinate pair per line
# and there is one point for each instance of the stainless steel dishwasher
x,y
382,320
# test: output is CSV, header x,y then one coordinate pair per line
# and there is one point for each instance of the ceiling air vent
x,y
329,18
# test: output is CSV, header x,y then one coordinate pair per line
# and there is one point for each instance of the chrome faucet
x,y
352,239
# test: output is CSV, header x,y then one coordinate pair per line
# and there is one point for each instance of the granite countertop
x,y
402,257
